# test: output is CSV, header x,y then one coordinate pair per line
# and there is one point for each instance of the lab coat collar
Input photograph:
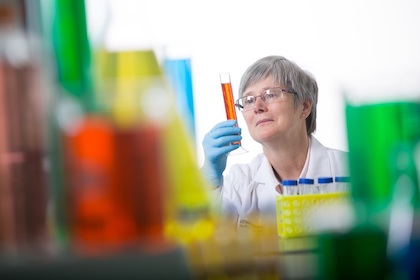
x,y
265,174
319,161
319,165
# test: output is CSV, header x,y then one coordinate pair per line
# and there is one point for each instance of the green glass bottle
x,y
374,132
65,30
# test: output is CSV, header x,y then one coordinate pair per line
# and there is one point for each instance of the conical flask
x,y
191,214
113,159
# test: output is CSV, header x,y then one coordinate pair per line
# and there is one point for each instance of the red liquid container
x,y
228,98
115,186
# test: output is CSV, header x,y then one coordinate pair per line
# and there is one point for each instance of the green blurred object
x,y
375,131
404,211
72,50
404,173
65,29
357,254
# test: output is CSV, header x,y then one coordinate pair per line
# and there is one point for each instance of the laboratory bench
x,y
296,259
170,264
355,255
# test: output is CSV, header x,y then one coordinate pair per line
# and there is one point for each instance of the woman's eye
x,y
249,100
270,96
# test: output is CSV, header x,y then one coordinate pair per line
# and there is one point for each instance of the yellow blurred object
x,y
297,214
133,87
125,81
191,215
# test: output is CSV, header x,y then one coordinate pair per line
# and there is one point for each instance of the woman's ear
x,y
307,108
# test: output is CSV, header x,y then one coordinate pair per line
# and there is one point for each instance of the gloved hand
x,y
217,145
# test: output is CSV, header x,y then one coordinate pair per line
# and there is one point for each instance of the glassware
x,y
342,183
325,184
230,106
177,68
290,187
306,186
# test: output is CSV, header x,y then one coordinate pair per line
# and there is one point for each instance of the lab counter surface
x,y
356,255
289,259
160,265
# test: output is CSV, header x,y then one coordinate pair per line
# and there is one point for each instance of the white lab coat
x,y
248,193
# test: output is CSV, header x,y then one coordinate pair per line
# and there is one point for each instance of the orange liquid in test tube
x,y
228,98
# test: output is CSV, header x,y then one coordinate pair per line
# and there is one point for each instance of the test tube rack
x,y
294,212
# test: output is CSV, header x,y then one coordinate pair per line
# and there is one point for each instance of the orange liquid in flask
x,y
228,99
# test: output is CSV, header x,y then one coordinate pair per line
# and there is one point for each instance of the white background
x,y
369,49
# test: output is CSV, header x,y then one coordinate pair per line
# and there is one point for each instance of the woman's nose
x,y
260,105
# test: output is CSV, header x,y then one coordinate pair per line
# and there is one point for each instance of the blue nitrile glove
x,y
217,145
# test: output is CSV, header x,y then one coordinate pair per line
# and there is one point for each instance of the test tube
x,y
325,184
342,183
290,187
306,186
228,98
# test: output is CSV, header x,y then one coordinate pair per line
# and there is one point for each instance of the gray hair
x,y
287,74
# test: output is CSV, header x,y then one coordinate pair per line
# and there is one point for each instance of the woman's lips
x,y
263,121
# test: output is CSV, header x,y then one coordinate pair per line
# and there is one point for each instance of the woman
x,y
278,101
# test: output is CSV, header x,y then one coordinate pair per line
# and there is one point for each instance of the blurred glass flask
x,y
177,68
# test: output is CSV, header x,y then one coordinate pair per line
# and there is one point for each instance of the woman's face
x,y
278,121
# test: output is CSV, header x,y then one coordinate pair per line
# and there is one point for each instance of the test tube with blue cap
x,y
306,186
325,184
290,187
342,183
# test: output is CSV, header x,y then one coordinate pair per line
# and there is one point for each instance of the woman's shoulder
x,y
336,157
318,145
249,167
337,152
244,175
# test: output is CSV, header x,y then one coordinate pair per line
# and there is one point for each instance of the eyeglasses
x,y
269,96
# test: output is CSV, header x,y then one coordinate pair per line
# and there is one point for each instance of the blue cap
x,y
306,181
343,179
289,182
325,180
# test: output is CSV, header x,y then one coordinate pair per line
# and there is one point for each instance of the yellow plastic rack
x,y
292,211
